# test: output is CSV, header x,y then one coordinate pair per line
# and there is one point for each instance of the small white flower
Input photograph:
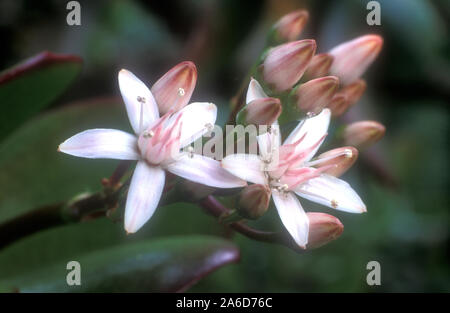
x,y
156,146
288,170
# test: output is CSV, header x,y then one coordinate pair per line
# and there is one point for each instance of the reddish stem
x,y
217,209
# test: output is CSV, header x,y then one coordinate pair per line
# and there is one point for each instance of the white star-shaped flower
x,y
287,170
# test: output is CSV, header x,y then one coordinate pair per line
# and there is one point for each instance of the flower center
x,y
160,143
287,168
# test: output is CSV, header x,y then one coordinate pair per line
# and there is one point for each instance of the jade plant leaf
x,y
163,265
32,85
33,173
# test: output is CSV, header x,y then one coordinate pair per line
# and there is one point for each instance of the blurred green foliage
x,y
164,265
29,87
406,228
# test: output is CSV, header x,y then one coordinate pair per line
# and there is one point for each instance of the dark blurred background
x,y
406,228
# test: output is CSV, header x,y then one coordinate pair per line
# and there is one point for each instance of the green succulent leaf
x,y
162,265
32,85
29,157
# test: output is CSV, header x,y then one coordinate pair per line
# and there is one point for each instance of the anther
x,y
209,126
148,134
140,99
190,151
334,204
348,153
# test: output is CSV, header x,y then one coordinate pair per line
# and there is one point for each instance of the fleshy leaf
x,y
28,157
32,85
162,265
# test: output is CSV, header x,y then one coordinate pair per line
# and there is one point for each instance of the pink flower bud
x,y
338,104
254,201
316,94
352,58
363,133
342,159
354,91
346,97
323,228
284,65
262,111
290,26
174,89
319,66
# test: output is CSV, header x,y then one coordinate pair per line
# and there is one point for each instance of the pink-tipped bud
x,y
352,58
354,91
363,133
284,65
315,94
341,158
254,201
346,97
323,228
338,104
262,111
319,66
290,26
173,90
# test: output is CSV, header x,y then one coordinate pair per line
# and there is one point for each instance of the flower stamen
x,y
334,204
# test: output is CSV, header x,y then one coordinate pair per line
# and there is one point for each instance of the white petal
x,y
248,167
197,119
143,195
204,170
293,216
102,143
254,91
315,127
332,192
140,114
269,141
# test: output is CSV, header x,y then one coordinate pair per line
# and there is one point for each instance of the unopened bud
x,y
323,228
352,58
174,89
315,94
363,133
290,26
319,66
262,111
342,158
354,91
284,65
338,104
346,97
254,201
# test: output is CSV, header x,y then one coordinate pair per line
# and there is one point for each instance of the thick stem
x,y
114,180
217,209
81,208
29,223
56,214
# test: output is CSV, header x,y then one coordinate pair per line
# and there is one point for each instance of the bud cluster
x,y
297,82
307,82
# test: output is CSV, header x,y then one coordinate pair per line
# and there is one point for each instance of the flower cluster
x,y
157,140
292,83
